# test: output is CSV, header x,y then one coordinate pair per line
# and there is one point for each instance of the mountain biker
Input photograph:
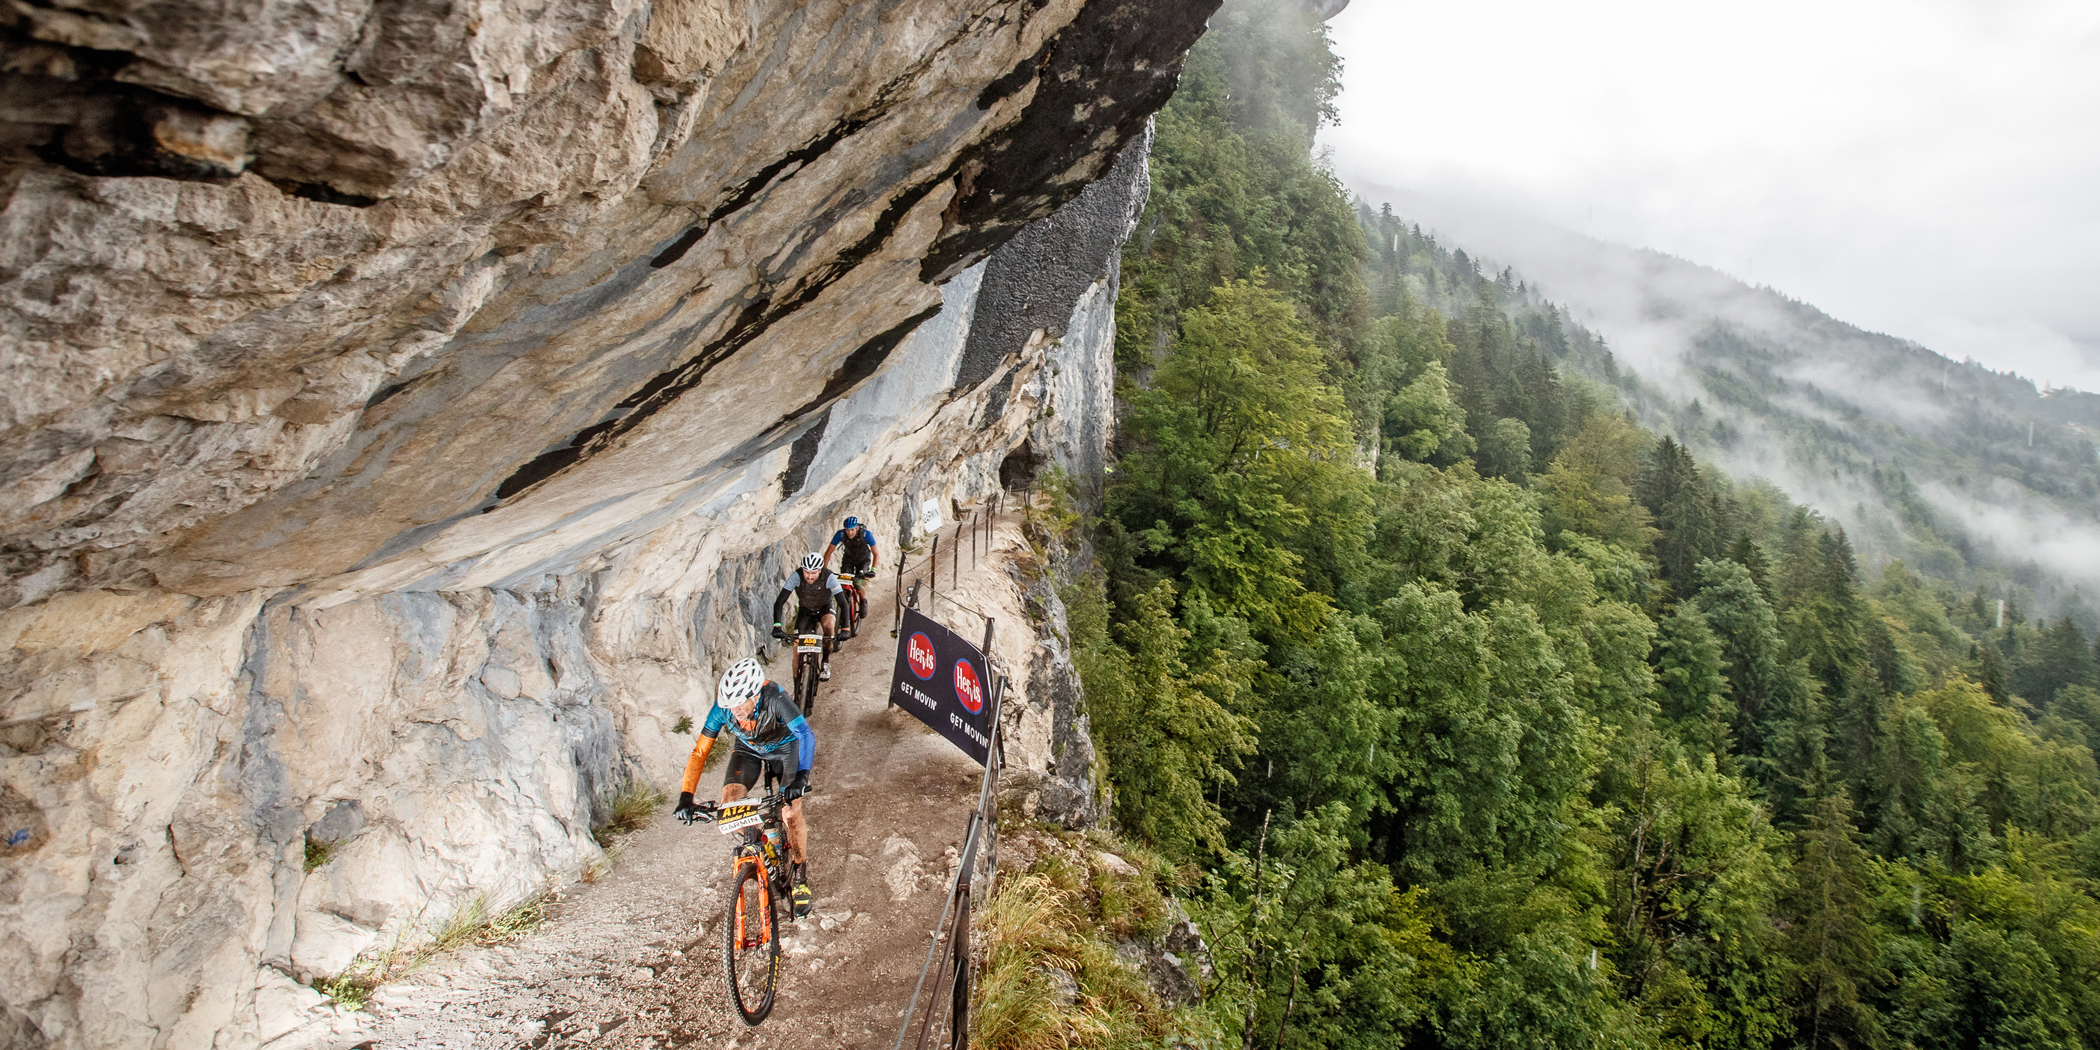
x,y
768,728
860,553
819,599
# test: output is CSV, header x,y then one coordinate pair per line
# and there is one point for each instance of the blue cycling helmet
x,y
852,523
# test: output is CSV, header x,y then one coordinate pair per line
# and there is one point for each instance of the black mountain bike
x,y
758,886
809,658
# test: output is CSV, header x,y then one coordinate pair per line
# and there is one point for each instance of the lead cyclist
x,y
767,728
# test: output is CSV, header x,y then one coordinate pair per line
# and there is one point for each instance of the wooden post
x,y
933,565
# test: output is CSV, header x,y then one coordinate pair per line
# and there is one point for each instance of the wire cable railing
x,y
950,954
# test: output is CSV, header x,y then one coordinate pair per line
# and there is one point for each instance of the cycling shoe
x,y
824,673
801,899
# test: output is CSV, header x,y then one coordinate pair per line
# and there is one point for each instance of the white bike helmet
x,y
813,561
740,683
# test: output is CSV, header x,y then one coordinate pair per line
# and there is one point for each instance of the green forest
x,y
1955,469
1464,711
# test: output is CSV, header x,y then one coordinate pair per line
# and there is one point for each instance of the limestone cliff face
x,y
410,404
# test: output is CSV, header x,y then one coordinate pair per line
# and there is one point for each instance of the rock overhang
x,y
320,388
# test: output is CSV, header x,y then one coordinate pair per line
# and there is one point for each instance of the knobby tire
x,y
806,685
751,945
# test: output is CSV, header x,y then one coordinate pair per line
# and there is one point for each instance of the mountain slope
x,y
1965,473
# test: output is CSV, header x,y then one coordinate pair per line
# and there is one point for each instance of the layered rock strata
x,y
410,405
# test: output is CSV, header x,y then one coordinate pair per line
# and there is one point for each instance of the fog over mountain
x,y
1966,472
1923,169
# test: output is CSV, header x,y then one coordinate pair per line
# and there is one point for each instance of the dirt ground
x,y
634,959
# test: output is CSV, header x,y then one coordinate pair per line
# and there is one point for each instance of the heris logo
x,y
967,688
918,652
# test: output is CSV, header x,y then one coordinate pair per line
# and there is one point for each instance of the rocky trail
x,y
634,958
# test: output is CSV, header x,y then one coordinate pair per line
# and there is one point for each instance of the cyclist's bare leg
x,y
830,624
733,791
797,832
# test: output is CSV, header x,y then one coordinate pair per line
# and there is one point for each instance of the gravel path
x,y
634,960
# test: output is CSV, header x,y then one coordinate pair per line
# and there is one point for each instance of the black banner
x,y
945,682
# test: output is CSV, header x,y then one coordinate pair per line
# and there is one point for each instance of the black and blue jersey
x,y
865,539
776,725
858,552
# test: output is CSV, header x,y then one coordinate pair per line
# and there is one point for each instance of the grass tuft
x,y
683,725
633,807
600,867
320,851
349,990
1051,977
352,989
462,929
520,919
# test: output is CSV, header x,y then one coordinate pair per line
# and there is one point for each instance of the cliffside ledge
x,y
409,404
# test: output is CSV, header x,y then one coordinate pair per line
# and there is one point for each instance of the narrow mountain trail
x,y
634,959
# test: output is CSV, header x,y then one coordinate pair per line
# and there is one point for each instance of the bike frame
x,y
809,653
757,857
755,848
853,601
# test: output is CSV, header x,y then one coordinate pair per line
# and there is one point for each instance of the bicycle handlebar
x,y
710,809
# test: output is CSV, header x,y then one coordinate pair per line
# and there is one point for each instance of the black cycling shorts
x,y
745,768
850,565
807,621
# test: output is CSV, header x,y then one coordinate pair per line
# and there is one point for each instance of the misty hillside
x,y
1963,473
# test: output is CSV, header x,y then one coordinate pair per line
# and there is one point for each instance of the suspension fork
x,y
757,862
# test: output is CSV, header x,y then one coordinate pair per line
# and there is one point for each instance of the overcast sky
x,y
1927,168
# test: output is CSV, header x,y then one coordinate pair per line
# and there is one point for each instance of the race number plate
x,y
809,643
736,816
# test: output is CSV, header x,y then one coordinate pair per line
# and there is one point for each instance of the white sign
x,y
930,517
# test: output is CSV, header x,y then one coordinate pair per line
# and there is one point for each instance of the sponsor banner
x,y
945,682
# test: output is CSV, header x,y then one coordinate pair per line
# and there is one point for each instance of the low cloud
x,y
1909,167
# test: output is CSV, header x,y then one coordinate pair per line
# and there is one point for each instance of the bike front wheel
x,y
751,947
806,685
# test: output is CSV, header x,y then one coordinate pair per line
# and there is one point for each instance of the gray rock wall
x,y
451,311
409,415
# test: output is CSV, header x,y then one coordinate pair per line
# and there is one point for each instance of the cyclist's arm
x,y
874,549
805,743
828,548
780,603
838,599
702,747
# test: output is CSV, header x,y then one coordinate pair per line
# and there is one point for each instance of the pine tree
x,y
1692,684
1748,554
1688,516
2059,659
1831,941
1990,674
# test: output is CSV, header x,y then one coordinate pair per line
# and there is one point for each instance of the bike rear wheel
x,y
751,946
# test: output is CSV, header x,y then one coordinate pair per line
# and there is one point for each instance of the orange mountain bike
x,y
758,884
